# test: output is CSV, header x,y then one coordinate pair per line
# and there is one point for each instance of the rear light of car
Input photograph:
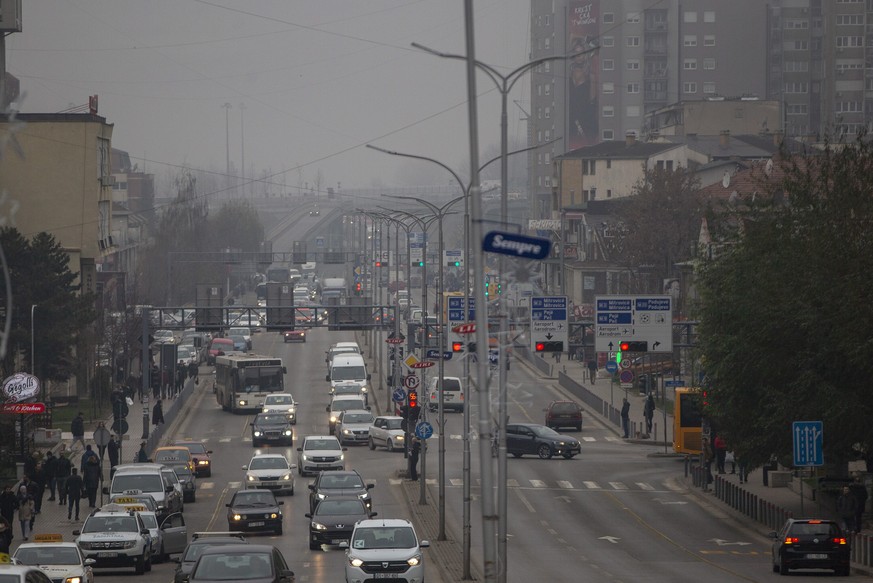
x,y
791,540
840,540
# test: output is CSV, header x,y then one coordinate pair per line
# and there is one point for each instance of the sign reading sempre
x,y
20,387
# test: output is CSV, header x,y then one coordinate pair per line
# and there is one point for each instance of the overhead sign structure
x,y
548,323
515,245
437,354
453,257
808,441
456,310
643,321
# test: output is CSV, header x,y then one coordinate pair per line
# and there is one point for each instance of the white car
x,y
353,426
62,561
388,547
242,331
169,537
282,402
387,430
270,471
320,452
164,337
113,537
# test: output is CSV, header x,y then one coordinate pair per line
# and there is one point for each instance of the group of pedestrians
x,y
851,504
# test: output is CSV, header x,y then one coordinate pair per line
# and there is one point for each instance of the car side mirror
x,y
245,467
373,514
312,487
327,378
307,515
89,562
772,534
220,353
227,505
424,544
345,449
77,532
327,408
344,544
169,489
209,451
370,486
287,574
105,490
144,531
252,424
177,560
368,407
281,502
292,466
369,376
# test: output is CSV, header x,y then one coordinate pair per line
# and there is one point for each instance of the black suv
x,y
199,542
339,483
274,427
807,543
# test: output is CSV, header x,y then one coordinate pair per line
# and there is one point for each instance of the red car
x,y
294,335
218,345
564,414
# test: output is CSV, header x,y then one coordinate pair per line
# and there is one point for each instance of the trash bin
x,y
772,465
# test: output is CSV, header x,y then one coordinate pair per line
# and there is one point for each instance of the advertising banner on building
x,y
584,72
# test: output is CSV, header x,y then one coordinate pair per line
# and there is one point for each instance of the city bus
x,y
687,421
243,380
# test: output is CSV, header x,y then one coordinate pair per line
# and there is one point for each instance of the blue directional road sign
x,y
399,395
516,245
808,439
424,430
435,354
611,366
548,320
674,383
456,309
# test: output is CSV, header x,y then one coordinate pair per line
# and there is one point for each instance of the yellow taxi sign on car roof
x,y
126,500
5,558
136,507
54,537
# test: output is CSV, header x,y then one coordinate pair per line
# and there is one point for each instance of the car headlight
x,y
73,580
364,496
274,515
363,389
305,458
333,418
342,456
355,562
318,525
239,516
347,431
288,432
202,462
251,477
321,496
286,477
265,410
398,437
413,561
561,443
129,544
243,402
257,433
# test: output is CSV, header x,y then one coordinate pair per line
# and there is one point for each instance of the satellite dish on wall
x,y
726,179
768,167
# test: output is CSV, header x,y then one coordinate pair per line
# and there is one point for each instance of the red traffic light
x,y
540,346
633,346
412,399
457,346
378,264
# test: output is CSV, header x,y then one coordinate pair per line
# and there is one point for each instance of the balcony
x,y
650,96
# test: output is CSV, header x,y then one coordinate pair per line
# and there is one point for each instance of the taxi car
x,y
174,455
116,537
169,536
384,549
200,542
135,501
320,452
201,457
61,561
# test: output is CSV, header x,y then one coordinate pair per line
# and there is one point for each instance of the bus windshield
x,y
262,379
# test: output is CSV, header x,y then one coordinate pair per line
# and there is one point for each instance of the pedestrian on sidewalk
x,y
75,487
847,507
63,473
101,449
625,417
720,452
25,512
5,535
92,476
158,414
193,370
859,490
8,504
142,456
77,428
649,412
37,488
112,449
742,469
50,467
556,356
414,450
87,455
592,370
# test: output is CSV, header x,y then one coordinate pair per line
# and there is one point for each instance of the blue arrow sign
x,y
808,438
424,430
516,245
611,366
399,395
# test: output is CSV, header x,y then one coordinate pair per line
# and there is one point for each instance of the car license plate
x,y
106,555
337,541
386,575
261,523
817,556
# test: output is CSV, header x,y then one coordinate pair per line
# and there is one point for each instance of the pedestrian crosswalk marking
x,y
456,482
224,439
588,438
537,483
234,485
611,438
618,486
644,486
207,485
512,483
397,482
591,485
565,484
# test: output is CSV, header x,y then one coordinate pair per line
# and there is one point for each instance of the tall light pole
x,y
32,344
242,144
504,84
227,107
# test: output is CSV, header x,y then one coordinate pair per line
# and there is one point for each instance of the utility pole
x,y
242,143
227,107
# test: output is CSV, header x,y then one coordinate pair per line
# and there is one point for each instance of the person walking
x,y
92,476
158,414
77,428
75,487
142,455
720,448
8,504
625,417
25,512
87,455
113,450
5,535
649,412
847,507
414,450
193,371
557,356
63,473
37,488
101,449
592,370
859,491
742,469
50,468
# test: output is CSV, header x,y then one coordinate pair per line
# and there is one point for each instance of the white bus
x,y
243,380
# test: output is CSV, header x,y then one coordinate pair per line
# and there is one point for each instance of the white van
x,y
348,368
454,398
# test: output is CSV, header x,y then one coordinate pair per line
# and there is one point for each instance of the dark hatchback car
x,y
564,414
806,543
245,562
334,519
272,428
254,510
199,543
339,483
539,440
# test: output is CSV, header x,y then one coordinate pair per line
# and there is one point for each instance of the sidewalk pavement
x,y
53,517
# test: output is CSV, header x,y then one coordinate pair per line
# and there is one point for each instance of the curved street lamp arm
x,y
426,159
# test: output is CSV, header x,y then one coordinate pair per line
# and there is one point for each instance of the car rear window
x,y
565,408
451,385
814,528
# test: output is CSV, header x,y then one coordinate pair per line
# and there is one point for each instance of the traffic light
x,y
487,285
418,264
498,289
471,347
412,400
378,264
457,347
453,264
633,346
549,346
359,288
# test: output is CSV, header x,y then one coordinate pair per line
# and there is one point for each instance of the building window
x,y
539,135
709,87
608,88
608,111
850,41
709,16
689,87
608,65
548,42
539,159
633,17
548,112
709,64
689,64
797,109
548,89
632,111
848,107
796,66
689,17
548,19
588,168
548,135
539,180
607,135
850,19
547,66
709,40
796,24
633,41
798,45
608,41
547,158
633,87
608,193
633,65
608,17
690,40
608,164
797,87
539,90
548,180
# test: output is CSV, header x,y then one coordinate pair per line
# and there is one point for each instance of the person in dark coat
x,y
8,504
92,476
64,469
87,455
649,412
859,491
193,370
5,535
142,455
77,428
74,489
847,506
158,414
113,451
414,450
37,488
50,467
625,417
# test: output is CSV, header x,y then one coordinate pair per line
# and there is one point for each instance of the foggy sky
x,y
318,80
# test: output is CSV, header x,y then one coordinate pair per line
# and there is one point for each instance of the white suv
x,y
116,537
384,549
282,402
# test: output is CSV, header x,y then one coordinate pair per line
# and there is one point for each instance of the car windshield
x,y
163,334
321,444
279,400
826,529
149,520
346,404
195,549
268,463
330,507
48,555
254,498
358,418
340,481
384,537
263,379
451,385
271,419
394,424
142,482
110,524
183,352
543,431
346,389
240,332
195,447
172,455
347,373
235,567
182,472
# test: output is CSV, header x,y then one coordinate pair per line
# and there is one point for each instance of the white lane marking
x,y
512,483
207,485
618,486
234,485
565,484
587,438
537,483
394,481
224,439
524,500
610,438
644,486
592,485
456,482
